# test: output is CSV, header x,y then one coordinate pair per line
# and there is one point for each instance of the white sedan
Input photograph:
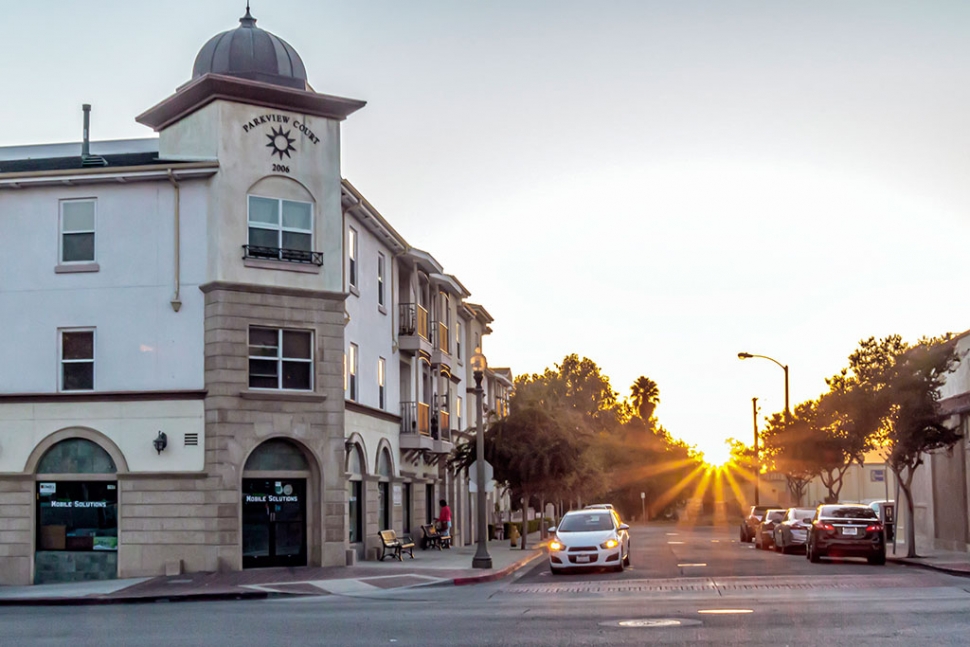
x,y
589,538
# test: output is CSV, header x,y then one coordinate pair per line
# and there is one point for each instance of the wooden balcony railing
x,y
442,341
424,418
416,418
413,320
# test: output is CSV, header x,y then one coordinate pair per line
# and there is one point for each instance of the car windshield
x,y
847,512
586,522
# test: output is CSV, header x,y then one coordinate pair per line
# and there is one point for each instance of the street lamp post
x,y
754,405
482,559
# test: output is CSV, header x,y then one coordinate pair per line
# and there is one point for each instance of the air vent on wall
x,y
191,440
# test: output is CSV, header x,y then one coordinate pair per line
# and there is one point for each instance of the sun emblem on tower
x,y
280,142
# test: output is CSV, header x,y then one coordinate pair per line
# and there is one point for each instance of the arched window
x,y
355,494
385,472
76,456
275,456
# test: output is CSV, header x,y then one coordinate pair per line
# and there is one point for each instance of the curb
x,y
903,561
501,573
80,602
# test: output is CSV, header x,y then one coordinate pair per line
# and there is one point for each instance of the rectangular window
x,y
458,340
280,229
380,280
77,231
77,360
280,359
77,515
381,391
352,373
458,412
352,256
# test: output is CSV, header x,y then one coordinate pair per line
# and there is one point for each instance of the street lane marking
x,y
671,534
675,542
652,623
685,565
724,611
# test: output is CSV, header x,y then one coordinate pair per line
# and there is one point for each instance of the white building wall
x,y
140,342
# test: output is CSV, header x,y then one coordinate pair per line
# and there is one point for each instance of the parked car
x,y
764,536
590,537
846,530
750,523
792,532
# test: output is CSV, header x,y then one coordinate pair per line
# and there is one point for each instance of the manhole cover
x,y
651,623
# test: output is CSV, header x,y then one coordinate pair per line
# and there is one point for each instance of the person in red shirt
x,y
444,517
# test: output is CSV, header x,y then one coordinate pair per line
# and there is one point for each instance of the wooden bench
x,y
395,546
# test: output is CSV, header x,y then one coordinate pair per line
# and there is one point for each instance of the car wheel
x,y
813,555
742,537
878,560
779,548
555,571
619,567
626,560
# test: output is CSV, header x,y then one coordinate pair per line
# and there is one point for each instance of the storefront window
x,y
355,520
77,515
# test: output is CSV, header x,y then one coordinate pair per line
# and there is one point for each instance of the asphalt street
x,y
741,596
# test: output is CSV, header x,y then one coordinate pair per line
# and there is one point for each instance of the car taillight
x,y
826,526
874,527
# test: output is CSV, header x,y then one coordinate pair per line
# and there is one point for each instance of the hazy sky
x,y
654,185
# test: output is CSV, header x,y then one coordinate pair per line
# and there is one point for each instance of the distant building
x,y
219,354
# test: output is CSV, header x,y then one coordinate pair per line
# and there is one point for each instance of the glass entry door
x,y
274,522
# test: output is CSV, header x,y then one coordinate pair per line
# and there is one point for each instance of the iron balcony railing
x,y
258,252
416,418
413,320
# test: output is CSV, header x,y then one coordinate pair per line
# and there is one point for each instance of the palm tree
x,y
646,396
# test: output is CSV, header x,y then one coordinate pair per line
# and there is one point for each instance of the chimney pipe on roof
x,y
86,144
87,159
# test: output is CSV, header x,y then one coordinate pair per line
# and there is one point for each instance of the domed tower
x,y
248,52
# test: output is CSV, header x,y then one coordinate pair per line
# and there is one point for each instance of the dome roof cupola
x,y
248,52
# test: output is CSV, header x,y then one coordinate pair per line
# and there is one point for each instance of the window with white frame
x,y
458,340
280,229
77,360
77,231
352,256
380,279
458,412
381,382
280,359
352,372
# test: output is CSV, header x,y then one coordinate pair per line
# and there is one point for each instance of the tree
x,y
534,450
913,424
645,396
792,446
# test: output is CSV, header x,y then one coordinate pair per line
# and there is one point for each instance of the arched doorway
x,y
274,506
355,497
384,473
76,514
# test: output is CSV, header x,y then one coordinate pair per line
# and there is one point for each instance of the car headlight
x,y
555,546
610,543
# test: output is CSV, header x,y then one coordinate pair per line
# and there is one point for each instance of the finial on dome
x,y
247,20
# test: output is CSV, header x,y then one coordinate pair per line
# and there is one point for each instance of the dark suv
x,y
749,526
849,530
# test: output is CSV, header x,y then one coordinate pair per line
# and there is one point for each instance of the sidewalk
x,y
945,561
429,567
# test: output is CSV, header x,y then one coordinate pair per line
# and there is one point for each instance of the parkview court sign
x,y
285,120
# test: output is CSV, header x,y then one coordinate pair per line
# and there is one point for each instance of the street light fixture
x,y
482,559
784,367
754,406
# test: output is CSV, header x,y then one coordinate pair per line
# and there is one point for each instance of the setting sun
x,y
715,454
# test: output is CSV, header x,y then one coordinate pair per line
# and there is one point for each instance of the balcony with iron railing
x,y
414,333
416,426
261,253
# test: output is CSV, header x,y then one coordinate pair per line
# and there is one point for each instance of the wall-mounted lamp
x,y
349,445
160,442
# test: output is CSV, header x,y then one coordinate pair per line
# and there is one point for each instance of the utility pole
x,y
757,457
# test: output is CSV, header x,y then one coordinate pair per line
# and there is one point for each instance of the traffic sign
x,y
473,477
